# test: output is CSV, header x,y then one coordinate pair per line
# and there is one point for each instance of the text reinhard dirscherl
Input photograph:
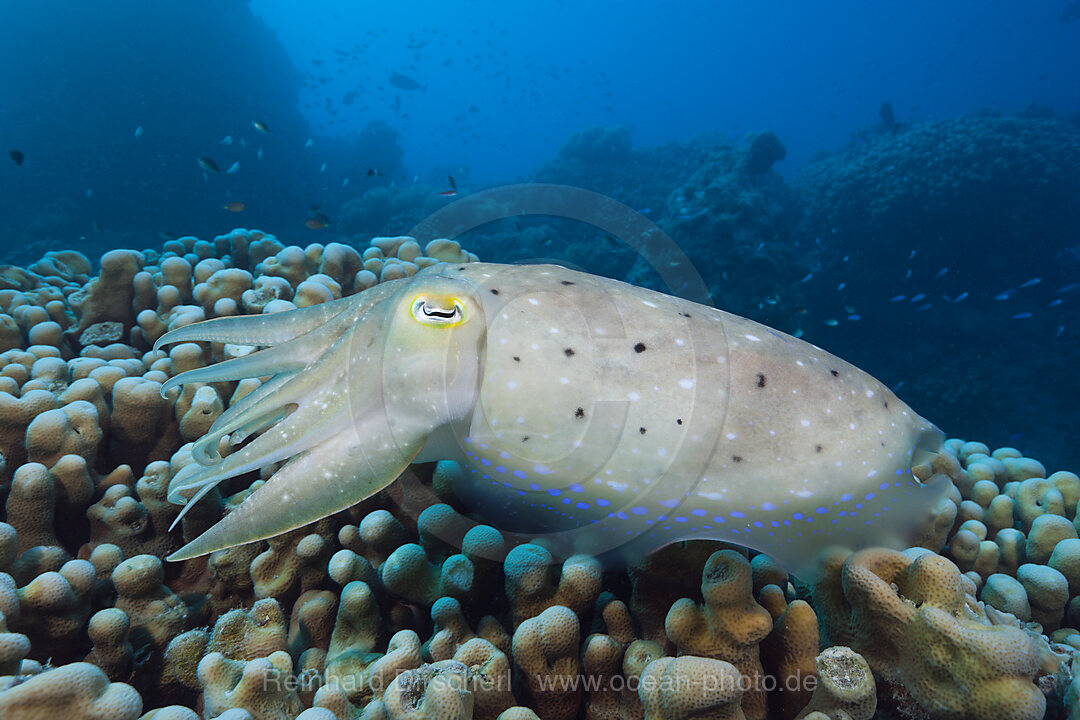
x,y
311,680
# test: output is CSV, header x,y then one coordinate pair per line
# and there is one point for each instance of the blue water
x,y
371,106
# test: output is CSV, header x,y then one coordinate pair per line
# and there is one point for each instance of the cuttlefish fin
x,y
312,485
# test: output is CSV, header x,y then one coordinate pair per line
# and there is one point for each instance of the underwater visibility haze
x,y
539,360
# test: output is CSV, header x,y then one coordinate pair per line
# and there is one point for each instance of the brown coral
x,y
728,626
915,625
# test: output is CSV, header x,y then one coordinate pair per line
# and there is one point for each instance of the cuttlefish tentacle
x,y
318,407
353,431
288,349
282,361
314,484
274,328
269,387
280,358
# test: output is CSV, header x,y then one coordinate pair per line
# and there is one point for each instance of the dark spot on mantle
x,y
641,430
639,348
736,458
568,352
566,282
517,359
524,438
494,291
579,413
678,421
761,380
817,448
834,373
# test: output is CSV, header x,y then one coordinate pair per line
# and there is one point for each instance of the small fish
x,y
96,227
897,386
404,82
233,168
912,255
941,273
898,298
1061,329
208,165
453,185
374,172
227,140
235,206
448,193
259,154
317,221
645,211
260,126
322,168
854,317
798,333
1032,282
309,143
243,143
1055,303
962,296
841,286
1021,316
138,132
917,298
801,310
908,273
17,156
345,182
806,278
925,306
1067,288
832,322
1005,294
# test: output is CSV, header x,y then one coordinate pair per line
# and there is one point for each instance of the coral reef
x,y
399,606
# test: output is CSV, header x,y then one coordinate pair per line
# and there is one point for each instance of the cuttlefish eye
x,y
441,311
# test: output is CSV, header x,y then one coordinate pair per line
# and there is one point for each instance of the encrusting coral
x,y
402,607
922,632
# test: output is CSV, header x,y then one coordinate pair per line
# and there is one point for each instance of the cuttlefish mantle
x,y
583,409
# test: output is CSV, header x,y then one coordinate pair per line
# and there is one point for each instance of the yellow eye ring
x,y
438,311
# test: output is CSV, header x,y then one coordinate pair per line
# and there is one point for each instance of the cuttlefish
x,y
581,409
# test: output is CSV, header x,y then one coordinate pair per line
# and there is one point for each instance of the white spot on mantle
x,y
686,383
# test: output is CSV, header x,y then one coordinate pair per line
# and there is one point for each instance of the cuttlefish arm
x,y
274,328
297,340
352,419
